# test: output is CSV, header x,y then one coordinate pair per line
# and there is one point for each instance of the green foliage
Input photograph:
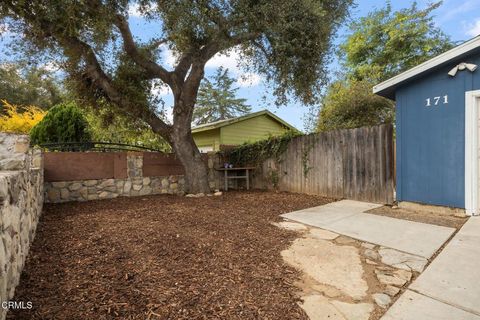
x,y
380,45
352,105
279,39
63,123
106,126
28,86
305,160
385,43
274,178
286,41
217,101
255,153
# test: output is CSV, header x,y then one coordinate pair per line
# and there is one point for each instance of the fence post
x,y
134,164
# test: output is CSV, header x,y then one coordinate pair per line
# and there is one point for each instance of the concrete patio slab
x,y
414,306
454,276
347,218
331,212
412,237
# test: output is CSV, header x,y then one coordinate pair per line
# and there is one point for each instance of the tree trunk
x,y
196,173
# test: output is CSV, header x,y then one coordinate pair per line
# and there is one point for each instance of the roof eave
x,y
387,88
242,118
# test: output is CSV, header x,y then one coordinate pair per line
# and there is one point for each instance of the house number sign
x,y
435,101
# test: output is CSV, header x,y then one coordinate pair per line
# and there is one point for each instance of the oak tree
x,y
287,41
25,86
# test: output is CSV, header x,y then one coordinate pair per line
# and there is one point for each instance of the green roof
x,y
223,123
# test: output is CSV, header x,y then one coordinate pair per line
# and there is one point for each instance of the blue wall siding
x,y
431,140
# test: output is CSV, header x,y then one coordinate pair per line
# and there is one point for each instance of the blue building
x,y
437,129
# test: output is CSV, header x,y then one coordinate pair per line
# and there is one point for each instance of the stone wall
x,y
21,199
134,185
84,190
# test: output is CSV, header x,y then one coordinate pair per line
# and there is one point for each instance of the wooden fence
x,y
354,164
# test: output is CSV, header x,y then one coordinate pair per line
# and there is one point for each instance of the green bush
x,y
63,123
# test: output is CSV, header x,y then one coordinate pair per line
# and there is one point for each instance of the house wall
x,y
250,130
208,138
431,140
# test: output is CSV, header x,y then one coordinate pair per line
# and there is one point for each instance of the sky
x,y
460,19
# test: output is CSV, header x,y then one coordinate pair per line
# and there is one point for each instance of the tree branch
x,y
153,69
94,71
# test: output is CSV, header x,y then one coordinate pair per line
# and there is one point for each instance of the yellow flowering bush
x,y
13,120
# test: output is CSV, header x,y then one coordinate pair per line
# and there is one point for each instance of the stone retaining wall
x,y
21,199
134,185
111,188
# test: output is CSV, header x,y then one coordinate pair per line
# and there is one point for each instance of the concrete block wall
x,y
21,200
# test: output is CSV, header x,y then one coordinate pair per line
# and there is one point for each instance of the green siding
x,y
208,138
250,130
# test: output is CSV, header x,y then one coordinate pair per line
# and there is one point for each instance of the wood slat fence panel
x,y
70,166
354,164
161,164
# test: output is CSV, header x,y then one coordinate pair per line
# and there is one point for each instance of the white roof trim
x,y
438,60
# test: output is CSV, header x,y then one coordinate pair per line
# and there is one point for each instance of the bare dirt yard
x,y
164,257
421,216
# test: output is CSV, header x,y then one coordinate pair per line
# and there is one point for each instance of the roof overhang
x,y
223,123
387,88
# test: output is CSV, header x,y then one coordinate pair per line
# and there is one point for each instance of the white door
x,y
472,152
477,106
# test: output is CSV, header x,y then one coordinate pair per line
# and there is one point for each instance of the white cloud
x,y
169,56
230,60
249,79
160,89
134,10
473,29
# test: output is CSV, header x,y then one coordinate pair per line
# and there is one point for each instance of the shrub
x,y
352,104
14,120
63,123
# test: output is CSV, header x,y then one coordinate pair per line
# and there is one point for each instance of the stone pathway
x,y
355,264
347,279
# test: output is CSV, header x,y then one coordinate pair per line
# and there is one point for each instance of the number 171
x,y
436,100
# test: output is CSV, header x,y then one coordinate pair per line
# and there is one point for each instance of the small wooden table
x,y
236,176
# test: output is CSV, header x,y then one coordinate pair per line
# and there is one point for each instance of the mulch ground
x,y
164,257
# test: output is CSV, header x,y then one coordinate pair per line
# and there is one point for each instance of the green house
x,y
248,128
